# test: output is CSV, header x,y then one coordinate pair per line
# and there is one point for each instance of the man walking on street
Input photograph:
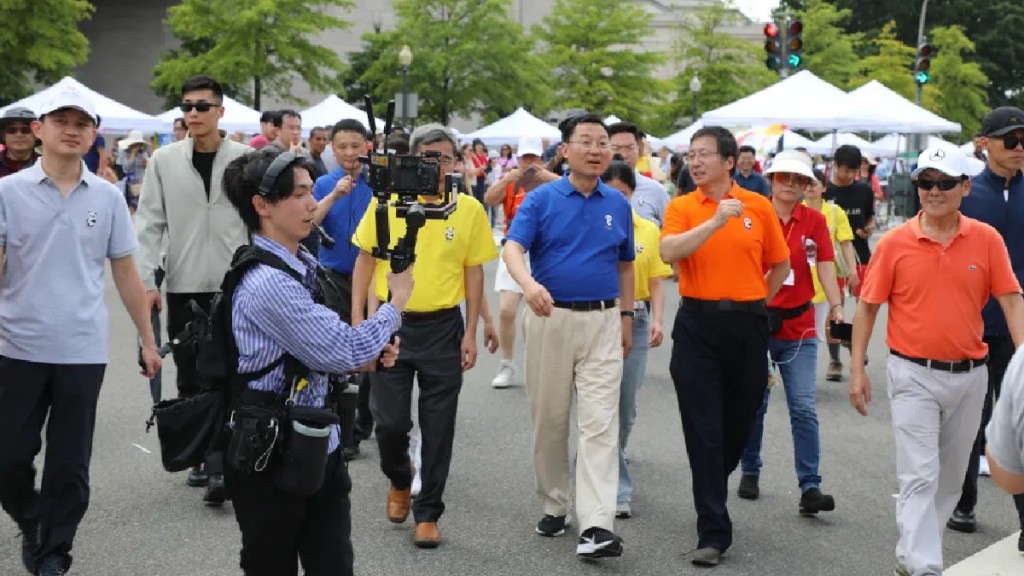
x,y
59,223
579,233
936,272
996,198
650,198
722,238
745,176
183,201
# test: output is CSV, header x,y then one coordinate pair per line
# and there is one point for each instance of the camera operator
x,y
273,316
436,347
182,200
59,222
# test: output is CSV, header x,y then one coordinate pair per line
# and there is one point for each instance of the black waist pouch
x,y
303,455
186,426
255,432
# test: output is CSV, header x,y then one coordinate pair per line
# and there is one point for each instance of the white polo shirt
x,y
51,295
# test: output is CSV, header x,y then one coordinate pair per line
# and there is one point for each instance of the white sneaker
x,y
506,372
983,467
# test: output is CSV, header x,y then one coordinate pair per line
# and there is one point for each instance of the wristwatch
x,y
629,313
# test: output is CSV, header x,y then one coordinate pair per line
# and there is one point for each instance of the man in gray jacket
x,y
182,199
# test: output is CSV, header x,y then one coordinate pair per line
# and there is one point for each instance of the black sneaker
x,y
813,501
748,489
29,544
52,565
598,543
197,477
216,492
552,526
962,521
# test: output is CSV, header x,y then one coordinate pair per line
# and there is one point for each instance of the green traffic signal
x,y
795,60
922,78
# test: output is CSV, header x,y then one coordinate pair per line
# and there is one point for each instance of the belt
x,y
789,313
954,367
755,307
642,305
409,316
586,305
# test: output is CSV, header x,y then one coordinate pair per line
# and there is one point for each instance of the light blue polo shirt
x,y
51,295
575,242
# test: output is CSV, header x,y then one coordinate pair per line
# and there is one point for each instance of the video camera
x,y
400,180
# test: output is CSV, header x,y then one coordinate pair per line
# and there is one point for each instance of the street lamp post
x,y
920,41
405,60
694,89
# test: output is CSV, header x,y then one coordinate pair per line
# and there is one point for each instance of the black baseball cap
x,y
1002,120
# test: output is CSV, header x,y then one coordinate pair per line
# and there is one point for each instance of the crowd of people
x,y
763,257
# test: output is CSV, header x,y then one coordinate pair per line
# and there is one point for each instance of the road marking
x,y
143,448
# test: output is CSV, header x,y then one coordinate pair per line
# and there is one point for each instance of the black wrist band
x,y
629,313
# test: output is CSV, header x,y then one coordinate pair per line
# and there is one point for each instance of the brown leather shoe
x,y
427,535
399,502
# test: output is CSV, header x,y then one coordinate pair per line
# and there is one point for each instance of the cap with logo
x,y
530,145
950,162
17,114
792,162
66,98
1001,121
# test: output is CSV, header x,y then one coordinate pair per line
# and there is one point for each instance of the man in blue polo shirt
x,y
579,232
59,223
745,175
342,197
996,198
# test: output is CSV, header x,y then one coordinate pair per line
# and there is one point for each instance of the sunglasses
x,y
18,130
790,178
945,185
187,107
1011,141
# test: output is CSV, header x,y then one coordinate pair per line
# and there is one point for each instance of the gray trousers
x,y
935,418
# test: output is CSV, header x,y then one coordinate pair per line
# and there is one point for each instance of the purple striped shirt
x,y
272,314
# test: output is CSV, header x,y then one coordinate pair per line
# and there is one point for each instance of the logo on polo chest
x,y
90,219
748,223
639,247
608,221
449,234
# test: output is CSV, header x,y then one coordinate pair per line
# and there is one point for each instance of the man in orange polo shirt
x,y
936,272
723,238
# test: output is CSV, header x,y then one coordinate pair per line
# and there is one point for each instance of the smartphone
x,y
841,331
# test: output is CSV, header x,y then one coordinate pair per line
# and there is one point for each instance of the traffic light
x,y
795,43
772,46
923,63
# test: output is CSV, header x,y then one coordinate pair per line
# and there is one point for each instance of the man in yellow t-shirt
x,y
649,309
436,347
840,231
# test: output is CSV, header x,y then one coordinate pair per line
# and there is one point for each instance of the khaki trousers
x,y
577,352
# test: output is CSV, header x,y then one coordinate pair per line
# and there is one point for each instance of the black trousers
x,y
431,354
720,370
68,393
338,297
279,530
1000,351
178,315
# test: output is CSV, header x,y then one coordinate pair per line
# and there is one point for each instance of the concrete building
x,y
127,38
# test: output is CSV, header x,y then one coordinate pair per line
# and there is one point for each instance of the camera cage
x,y
402,181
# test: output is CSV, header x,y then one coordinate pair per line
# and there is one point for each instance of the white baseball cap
x,y
530,145
69,97
793,162
950,162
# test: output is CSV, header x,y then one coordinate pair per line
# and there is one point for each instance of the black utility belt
x,y
410,316
755,307
957,367
586,305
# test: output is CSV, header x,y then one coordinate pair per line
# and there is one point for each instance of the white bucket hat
x,y
134,137
793,162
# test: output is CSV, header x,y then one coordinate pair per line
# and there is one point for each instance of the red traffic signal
x,y
796,27
926,51
771,30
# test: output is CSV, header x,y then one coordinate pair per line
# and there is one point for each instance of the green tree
x,y
963,84
729,68
890,64
594,48
267,43
829,51
374,49
469,57
40,42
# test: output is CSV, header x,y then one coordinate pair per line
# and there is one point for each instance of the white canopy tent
x,y
680,141
800,101
829,142
114,116
511,128
332,110
237,116
791,141
893,144
874,107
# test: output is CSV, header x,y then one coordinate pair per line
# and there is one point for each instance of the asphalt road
x,y
144,521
